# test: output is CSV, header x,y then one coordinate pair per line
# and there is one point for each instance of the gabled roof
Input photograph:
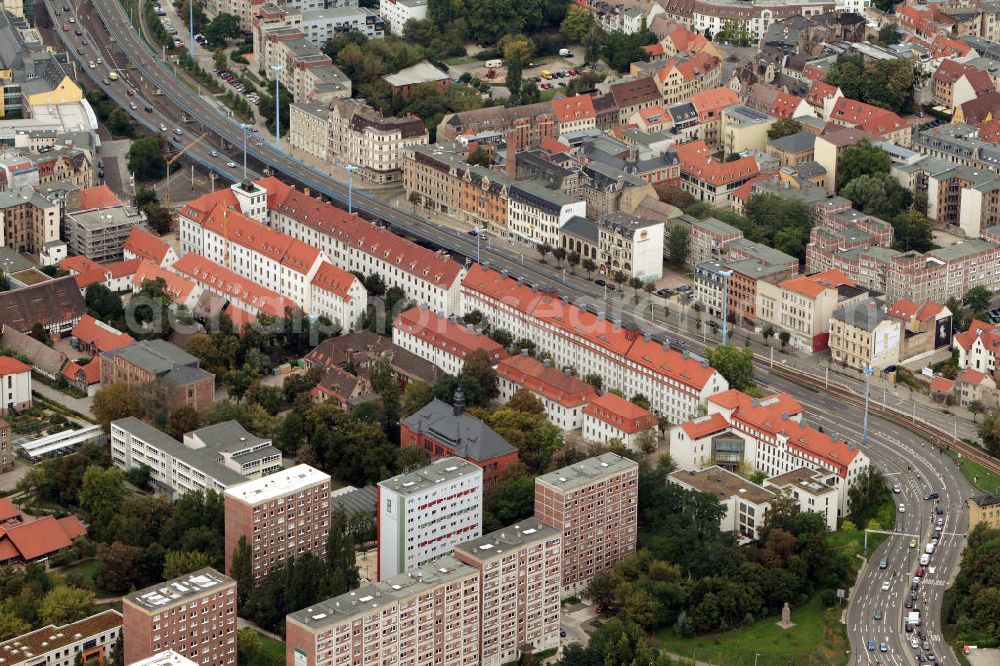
x,y
544,380
48,303
690,372
38,538
91,372
696,160
145,245
621,414
100,196
462,434
569,109
335,280
103,337
942,384
715,99
178,288
971,376
819,92
705,425
989,334
447,335
12,366
784,105
225,282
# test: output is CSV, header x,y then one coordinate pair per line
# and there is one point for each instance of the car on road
x,y
78,32
913,643
871,645
923,634
177,139
58,12
925,646
215,153
163,128
940,521
930,657
883,563
909,604
65,27
72,19
878,614
92,65
100,61
902,508
79,51
133,106
231,165
886,585
66,8
83,41
896,489
931,495
562,633
921,658
106,81
130,92
178,131
920,572
939,511
600,283
913,543
664,292
147,108
882,647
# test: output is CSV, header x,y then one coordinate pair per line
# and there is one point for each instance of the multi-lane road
x,y
905,458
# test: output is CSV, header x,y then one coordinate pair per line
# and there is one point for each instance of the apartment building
x,y
575,114
91,640
242,293
443,341
768,435
426,513
166,658
141,244
631,244
564,395
965,197
746,503
520,569
194,615
594,504
429,615
160,361
29,220
308,121
445,430
679,78
610,417
709,105
711,180
984,509
180,290
100,234
215,457
282,515
676,383
357,134
977,347
15,385
397,12
6,451
864,335
535,213
811,489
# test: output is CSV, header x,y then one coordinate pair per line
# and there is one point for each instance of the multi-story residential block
x,y
794,149
767,435
741,129
158,360
282,515
442,340
535,213
308,121
194,615
631,244
802,306
966,197
446,430
215,457
520,569
429,615
406,79
426,513
709,105
984,509
864,335
91,640
100,234
359,135
612,417
564,395
29,220
527,124
677,80
242,293
747,504
594,504
166,658
15,385
180,290
320,25
397,12
711,180
675,383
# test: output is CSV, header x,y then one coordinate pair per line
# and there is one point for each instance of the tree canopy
x,y
862,159
884,83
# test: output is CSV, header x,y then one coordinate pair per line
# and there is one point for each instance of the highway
x,y
892,448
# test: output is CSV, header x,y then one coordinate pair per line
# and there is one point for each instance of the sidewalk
x,y
80,405
242,623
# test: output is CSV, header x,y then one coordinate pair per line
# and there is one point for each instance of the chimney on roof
x,y
547,363
458,402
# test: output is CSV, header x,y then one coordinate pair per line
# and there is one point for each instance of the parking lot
x,y
561,70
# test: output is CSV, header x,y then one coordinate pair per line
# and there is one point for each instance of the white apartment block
x,y
397,12
812,490
92,639
430,615
612,417
442,340
632,245
563,395
676,383
767,435
520,586
746,503
426,513
535,213
211,458
319,25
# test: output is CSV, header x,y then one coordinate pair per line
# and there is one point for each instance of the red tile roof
x,y
451,337
950,71
333,279
262,239
78,264
989,334
904,308
91,371
784,105
553,146
619,413
276,190
100,196
654,50
38,538
221,280
199,209
971,376
942,384
872,119
9,511
145,245
715,100
12,366
569,109
684,39
697,161
819,92
426,265
178,288
101,336
549,382
687,371
705,425
815,284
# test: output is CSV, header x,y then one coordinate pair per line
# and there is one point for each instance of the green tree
x,y
577,24
116,563
342,569
64,604
782,223
783,127
120,124
514,78
862,159
11,624
238,382
989,432
118,651
224,26
620,49
145,159
516,47
415,396
978,298
878,194
178,563
524,400
889,34
532,435
678,245
785,337
102,492
242,570
479,367
595,380
479,157
511,501
588,265
593,44
40,333
912,231
112,402
734,363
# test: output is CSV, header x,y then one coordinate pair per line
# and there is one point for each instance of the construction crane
x,y
166,196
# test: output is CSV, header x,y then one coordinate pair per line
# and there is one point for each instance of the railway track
x,y
926,430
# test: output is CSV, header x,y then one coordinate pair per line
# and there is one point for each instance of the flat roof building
x,y
594,503
193,614
100,234
426,513
92,639
746,503
167,658
282,515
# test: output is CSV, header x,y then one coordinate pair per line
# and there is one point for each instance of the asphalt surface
x,y
892,448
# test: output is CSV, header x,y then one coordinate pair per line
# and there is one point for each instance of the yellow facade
x,y
66,92
984,509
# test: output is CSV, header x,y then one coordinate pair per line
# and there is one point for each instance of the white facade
x,y
397,12
344,307
599,430
426,513
535,216
812,490
319,25
53,645
746,503
15,385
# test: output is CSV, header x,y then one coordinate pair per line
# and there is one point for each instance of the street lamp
x,y
191,25
246,127
869,371
756,654
277,104
725,304
479,235
350,169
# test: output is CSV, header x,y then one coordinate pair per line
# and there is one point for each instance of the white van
x,y
494,64
565,53
929,549
925,559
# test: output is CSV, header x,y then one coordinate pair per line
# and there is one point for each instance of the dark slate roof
x,y
49,303
362,347
467,436
355,500
795,143
582,228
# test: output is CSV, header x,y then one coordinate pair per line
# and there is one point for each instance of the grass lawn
x,y
817,638
979,476
89,571
272,650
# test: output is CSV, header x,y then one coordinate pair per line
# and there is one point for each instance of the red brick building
x,y
281,515
594,503
194,615
159,360
445,430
